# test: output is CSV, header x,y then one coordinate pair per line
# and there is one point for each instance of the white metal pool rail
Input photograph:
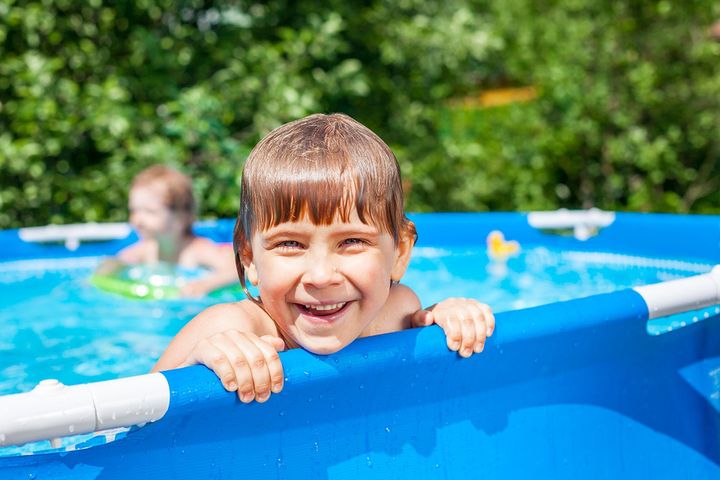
x,y
53,410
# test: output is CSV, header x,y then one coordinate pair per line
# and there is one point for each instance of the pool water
x,y
55,324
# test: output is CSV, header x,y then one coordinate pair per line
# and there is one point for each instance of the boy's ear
x,y
246,258
403,251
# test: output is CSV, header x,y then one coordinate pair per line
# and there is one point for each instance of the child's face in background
x,y
149,215
323,285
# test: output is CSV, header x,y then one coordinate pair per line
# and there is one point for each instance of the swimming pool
x,y
578,385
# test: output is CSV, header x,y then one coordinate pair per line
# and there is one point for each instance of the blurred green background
x,y
489,105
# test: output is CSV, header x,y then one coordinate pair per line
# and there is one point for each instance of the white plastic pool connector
x,y
676,296
53,410
583,222
71,235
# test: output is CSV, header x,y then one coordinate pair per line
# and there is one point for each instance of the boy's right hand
x,y
243,361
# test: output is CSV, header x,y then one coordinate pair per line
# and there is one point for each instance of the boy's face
x,y
148,214
324,285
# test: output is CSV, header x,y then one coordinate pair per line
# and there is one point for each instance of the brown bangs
x,y
321,196
322,167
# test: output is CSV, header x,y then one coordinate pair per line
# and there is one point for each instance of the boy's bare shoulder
x,y
404,295
396,315
243,315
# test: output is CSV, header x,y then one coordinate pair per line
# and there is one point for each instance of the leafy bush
x,y
626,118
628,115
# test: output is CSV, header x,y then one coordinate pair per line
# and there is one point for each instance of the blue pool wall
x,y
574,389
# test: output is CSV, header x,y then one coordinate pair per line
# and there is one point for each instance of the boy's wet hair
x,y
175,188
322,166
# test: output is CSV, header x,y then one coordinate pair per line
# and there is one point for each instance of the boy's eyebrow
x,y
342,229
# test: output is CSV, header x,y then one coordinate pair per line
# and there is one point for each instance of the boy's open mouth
x,y
323,310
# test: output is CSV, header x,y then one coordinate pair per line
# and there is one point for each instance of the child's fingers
x,y
208,354
276,342
272,366
469,333
453,333
422,318
250,365
478,316
235,348
489,318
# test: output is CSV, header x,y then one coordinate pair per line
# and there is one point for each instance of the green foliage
x,y
627,117
92,92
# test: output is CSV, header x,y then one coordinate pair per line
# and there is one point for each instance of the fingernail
x,y
455,345
277,387
263,396
489,331
466,352
247,397
232,386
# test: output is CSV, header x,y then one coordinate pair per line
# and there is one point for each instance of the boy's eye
x,y
351,242
288,244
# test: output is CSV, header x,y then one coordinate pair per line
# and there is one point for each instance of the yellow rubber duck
x,y
500,249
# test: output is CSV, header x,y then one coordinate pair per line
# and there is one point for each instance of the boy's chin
x,y
323,348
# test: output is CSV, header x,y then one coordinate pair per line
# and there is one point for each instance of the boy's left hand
x,y
466,322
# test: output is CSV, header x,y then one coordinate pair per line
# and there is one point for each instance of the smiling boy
x,y
322,234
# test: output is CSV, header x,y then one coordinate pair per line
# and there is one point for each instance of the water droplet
x,y
361,386
387,429
71,428
281,413
369,462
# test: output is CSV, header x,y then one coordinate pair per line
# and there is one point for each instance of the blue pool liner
x,y
574,389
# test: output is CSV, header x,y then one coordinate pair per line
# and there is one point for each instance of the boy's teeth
x,y
321,308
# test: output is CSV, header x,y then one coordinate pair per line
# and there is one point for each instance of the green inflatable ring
x,y
145,289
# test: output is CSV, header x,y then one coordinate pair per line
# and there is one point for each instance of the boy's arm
x,y
466,322
228,340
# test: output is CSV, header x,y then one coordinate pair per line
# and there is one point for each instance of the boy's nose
x,y
321,272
